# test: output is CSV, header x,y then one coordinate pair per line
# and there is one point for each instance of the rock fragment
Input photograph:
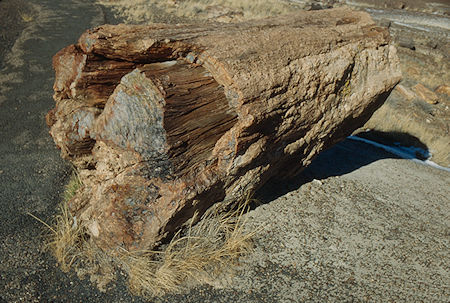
x,y
426,94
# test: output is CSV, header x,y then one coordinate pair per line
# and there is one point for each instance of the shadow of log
x,y
343,158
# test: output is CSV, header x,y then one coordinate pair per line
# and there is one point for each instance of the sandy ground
x,y
359,225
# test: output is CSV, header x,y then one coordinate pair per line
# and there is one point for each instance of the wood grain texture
x,y
164,120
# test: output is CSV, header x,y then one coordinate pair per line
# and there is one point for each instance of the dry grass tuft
x,y
196,254
68,238
203,252
71,188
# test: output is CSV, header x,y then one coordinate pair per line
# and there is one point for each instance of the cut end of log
x,y
166,120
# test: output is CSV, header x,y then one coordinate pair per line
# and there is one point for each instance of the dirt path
x,y
32,174
375,228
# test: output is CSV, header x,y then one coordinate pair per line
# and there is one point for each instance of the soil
x,y
11,23
358,225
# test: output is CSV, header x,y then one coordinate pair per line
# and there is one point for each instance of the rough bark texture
x,y
164,120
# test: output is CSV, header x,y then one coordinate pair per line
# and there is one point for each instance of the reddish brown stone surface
x,y
164,120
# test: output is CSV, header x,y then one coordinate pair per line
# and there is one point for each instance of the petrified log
x,y
163,120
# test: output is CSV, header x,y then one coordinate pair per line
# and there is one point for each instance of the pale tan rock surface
x,y
405,92
419,30
443,89
426,94
135,114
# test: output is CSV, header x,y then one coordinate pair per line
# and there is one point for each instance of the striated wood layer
x,y
164,120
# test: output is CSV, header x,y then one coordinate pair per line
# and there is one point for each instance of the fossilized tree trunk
x,y
163,120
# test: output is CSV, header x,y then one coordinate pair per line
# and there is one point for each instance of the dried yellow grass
x,y
196,254
207,249
67,237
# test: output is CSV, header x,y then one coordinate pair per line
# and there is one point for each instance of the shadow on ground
x,y
343,158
